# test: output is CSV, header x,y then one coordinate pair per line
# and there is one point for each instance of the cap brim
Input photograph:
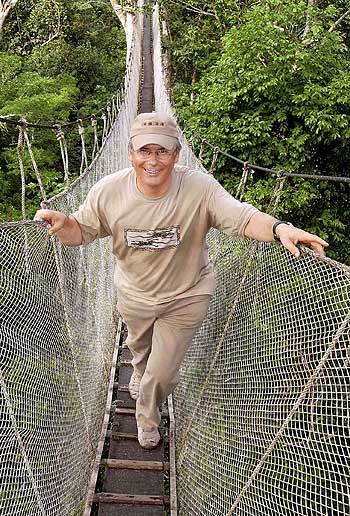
x,y
168,142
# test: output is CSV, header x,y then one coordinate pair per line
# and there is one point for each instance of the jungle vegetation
x,y
59,60
267,81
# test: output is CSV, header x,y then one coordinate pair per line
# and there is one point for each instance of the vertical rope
x,y
191,140
96,146
243,181
21,168
213,161
114,110
23,192
109,119
104,134
201,150
84,161
276,195
64,151
34,165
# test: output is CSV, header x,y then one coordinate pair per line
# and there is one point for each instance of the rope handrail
x,y
339,179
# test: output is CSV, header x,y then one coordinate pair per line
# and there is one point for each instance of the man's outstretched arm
x,y
260,228
65,227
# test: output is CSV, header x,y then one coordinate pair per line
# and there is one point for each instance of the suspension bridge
x,y
262,410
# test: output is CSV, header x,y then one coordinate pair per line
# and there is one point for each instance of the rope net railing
x,y
57,332
262,409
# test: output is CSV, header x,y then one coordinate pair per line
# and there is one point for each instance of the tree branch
x,y
119,12
339,21
50,39
194,9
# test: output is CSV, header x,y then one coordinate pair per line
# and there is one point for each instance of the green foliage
x,y
278,95
31,95
59,60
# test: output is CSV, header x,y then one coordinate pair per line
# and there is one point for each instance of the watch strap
x,y
275,226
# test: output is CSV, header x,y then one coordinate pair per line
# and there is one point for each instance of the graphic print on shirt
x,y
153,239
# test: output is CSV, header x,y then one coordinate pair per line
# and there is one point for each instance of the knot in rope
x,y
23,124
81,127
64,150
276,196
214,160
59,132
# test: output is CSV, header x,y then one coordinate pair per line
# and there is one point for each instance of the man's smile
x,y
152,171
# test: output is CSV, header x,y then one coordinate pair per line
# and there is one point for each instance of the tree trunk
x,y
126,19
5,8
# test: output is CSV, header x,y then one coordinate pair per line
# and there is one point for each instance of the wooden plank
x,y
123,509
134,482
121,435
125,403
125,411
154,465
125,423
125,363
130,499
125,398
122,388
125,375
127,449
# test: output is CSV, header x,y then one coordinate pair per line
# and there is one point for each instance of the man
x,y
158,215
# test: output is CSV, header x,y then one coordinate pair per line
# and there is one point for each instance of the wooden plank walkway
x,y
132,478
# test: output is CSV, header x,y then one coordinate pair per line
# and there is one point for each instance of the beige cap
x,y
154,128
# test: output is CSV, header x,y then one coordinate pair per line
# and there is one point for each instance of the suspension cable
x,y
339,179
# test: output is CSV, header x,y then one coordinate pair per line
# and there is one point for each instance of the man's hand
x,y
291,236
260,228
66,227
55,218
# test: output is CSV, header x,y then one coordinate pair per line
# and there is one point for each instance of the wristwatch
x,y
274,227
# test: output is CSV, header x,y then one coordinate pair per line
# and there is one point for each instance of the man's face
x,y
153,165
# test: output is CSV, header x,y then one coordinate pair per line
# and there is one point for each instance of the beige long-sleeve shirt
x,y
159,243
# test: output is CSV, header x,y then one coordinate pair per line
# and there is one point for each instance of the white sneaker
x,y
134,385
148,438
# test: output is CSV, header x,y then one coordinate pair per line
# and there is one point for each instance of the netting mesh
x,y
58,325
262,408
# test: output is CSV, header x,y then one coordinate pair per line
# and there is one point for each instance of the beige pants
x,y
158,338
